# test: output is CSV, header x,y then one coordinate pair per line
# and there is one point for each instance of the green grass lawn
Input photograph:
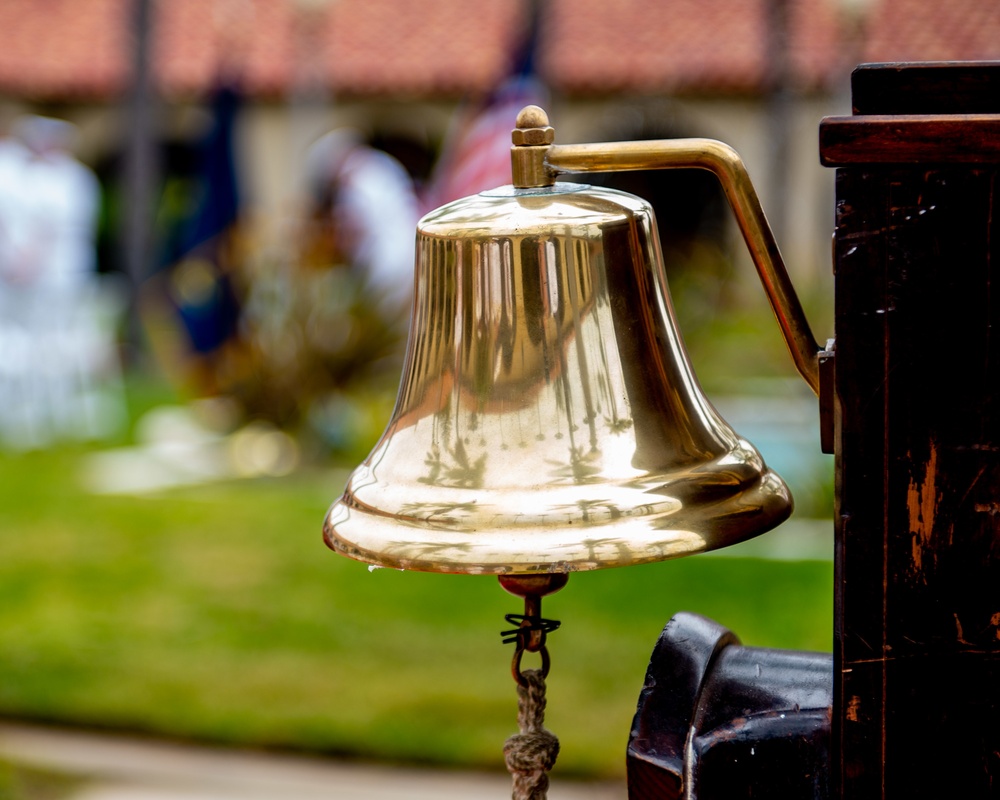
x,y
216,613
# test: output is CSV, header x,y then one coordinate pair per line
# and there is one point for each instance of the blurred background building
x,y
198,118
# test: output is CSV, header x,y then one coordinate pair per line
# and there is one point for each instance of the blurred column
x,y
311,98
779,112
141,166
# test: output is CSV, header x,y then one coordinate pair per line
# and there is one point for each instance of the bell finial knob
x,y
532,128
531,139
532,117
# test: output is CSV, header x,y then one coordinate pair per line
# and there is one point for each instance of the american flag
x,y
476,154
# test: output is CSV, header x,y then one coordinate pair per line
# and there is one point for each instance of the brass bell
x,y
548,419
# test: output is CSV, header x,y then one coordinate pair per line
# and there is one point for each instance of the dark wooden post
x,y
916,683
917,609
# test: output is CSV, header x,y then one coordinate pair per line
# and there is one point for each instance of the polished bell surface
x,y
548,419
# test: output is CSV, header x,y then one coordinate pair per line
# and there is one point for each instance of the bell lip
x,y
372,537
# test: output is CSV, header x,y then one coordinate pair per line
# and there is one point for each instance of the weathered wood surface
x,y
911,139
917,606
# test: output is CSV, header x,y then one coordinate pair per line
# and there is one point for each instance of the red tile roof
x,y
421,46
82,48
195,40
683,45
934,30
63,47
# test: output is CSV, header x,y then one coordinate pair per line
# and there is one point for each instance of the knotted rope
x,y
531,753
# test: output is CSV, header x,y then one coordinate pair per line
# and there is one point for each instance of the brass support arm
x,y
725,163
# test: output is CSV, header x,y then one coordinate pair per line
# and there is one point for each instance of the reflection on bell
x,y
548,419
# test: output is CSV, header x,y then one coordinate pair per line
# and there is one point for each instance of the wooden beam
x,y
910,139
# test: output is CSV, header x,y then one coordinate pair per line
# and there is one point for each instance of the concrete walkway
x,y
121,768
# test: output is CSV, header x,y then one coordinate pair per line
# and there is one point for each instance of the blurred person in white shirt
x,y
52,343
375,211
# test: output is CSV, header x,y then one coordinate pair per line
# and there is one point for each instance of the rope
x,y
531,753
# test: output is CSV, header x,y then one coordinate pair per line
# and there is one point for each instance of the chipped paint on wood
x,y
921,500
959,633
852,708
